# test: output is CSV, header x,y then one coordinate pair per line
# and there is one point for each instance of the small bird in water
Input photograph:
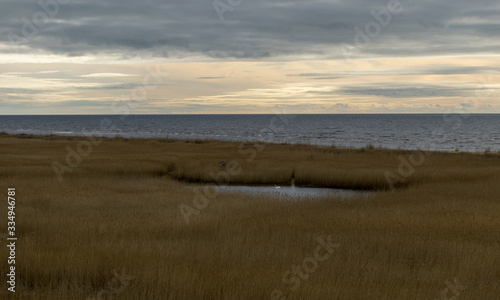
x,y
277,187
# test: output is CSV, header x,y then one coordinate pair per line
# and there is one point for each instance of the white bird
x,y
277,187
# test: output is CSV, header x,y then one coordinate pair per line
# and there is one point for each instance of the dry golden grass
x,y
120,209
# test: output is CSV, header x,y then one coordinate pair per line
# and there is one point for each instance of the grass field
x,y
116,221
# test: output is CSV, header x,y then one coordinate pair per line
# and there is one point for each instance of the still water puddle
x,y
289,192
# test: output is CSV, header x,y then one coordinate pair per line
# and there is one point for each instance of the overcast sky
x,y
249,56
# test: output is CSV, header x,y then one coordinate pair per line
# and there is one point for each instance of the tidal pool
x,y
288,191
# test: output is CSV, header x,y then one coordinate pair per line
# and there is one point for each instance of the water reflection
x,y
290,192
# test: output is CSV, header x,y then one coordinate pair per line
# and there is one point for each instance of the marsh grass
x,y
119,209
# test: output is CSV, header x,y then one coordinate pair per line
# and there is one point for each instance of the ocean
x,y
471,133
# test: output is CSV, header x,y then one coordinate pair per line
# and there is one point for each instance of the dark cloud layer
x,y
422,91
253,29
439,70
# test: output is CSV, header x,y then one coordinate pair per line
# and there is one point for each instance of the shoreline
x,y
251,163
368,147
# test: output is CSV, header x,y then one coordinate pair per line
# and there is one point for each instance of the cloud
x,y
208,78
264,53
113,86
435,70
103,75
253,30
408,91
21,91
310,74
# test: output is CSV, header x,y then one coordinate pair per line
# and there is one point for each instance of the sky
x,y
249,56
